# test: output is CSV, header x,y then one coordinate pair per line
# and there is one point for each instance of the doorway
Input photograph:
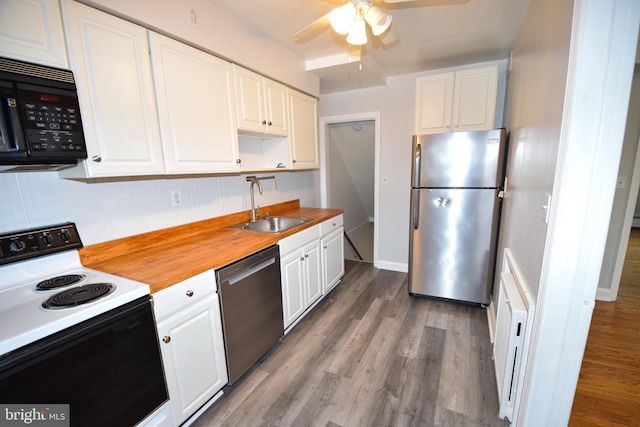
x,y
349,147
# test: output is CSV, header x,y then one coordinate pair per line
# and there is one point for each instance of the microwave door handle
x,y
10,125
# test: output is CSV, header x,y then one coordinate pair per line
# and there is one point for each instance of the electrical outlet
x,y
175,198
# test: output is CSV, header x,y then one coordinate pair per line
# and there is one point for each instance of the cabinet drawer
x,y
183,294
331,224
299,239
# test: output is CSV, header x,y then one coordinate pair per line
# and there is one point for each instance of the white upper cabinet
x,y
457,101
110,60
31,31
261,104
195,99
304,131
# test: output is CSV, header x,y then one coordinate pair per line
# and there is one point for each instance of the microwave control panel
x,y
51,120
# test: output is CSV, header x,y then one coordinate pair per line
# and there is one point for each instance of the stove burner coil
x,y
59,282
79,295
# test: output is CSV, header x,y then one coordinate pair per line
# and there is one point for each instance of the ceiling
x,y
429,34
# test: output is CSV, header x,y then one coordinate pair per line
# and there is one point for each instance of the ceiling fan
x,y
351,18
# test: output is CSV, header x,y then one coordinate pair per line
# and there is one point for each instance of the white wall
x,y
351,170
109,210
534,113
395,101
219,33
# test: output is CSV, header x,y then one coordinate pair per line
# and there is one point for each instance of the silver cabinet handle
x,y
96,159
238,161
301,258
166,339
189,293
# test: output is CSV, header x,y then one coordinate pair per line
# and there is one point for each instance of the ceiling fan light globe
x,y
377,20
342,17
358,34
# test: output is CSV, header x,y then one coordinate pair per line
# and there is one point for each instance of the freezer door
x,y
458,159
452,243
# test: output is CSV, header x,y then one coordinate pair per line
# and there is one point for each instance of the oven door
x,y
108,369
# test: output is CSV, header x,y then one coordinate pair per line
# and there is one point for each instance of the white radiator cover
x,y
514,312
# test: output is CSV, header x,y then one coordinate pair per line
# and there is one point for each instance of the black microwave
x,y
40,124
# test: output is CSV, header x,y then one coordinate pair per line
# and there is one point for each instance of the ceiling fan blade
x,y
314,27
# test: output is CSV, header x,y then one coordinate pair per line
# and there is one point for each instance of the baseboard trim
x,y
604,294
393,266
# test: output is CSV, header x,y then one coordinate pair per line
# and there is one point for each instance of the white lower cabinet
x,y
191,343
332,259
301,280
311,264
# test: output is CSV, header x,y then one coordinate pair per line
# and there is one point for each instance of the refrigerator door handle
x,y
416,164
415,203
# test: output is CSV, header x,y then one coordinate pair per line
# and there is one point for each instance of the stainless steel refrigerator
x,y
455,207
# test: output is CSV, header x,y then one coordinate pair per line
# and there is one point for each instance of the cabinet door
x,y
110,60
293,300
276,107
434,96
313,272
193,356
249,100
303,134
332,259
474,101
196,108
32,32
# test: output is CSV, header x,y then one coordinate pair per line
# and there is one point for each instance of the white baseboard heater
x,y
511,342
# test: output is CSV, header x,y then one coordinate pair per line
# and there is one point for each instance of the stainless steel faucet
x,y
255,212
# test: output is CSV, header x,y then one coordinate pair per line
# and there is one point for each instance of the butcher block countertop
x,y
165,257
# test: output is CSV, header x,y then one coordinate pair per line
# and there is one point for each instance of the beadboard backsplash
x,y
108,210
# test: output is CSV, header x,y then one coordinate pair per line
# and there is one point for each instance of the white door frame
x,y
595,114
611,293
324,164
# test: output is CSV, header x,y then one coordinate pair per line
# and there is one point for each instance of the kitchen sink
x,y
271,224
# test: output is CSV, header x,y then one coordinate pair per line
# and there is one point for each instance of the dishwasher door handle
x,y
252,270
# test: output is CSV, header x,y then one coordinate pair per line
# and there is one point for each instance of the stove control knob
x,y
47,239
65,236
17,246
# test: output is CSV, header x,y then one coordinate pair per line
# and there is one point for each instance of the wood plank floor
x,y
608,391
370,355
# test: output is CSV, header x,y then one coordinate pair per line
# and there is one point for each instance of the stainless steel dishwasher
x,y
251,301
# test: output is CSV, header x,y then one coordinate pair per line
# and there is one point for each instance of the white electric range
x,y
44,288
88,339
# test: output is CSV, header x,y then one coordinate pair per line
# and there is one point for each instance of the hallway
x,y
608,391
